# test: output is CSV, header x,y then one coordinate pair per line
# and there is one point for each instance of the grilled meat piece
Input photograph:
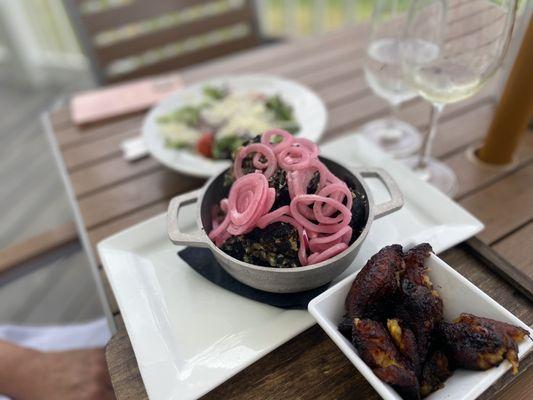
x,y
274,246
415,270
405,341
481,343
434,373
376,285
421,310
377,349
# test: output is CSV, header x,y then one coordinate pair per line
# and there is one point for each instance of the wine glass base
x,y
437,173
395,137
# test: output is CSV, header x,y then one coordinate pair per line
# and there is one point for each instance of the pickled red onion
x,y
216,233
246,192
245,209
341,191
320,228
257,163
220,239
286,142
267,219
316,258
294,158
264,150
321,243
311,146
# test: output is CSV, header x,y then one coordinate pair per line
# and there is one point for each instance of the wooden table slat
x,y
110,172
125,221
126,373
132,195
74,135
104,148
505,205
516,248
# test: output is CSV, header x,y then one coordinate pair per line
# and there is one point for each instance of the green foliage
x,y
175,145
188,115
224,148
282,111
215,93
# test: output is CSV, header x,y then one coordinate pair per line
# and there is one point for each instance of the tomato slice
x,y
205,144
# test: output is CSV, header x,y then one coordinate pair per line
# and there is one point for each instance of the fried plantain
x,y
405,341
510,331
415,269
377,349
375,287
434,373
417,351
421,310
481,343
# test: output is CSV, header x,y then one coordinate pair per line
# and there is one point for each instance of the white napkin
x,y
58,338
134,148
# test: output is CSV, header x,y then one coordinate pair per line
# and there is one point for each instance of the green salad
x,y
223,120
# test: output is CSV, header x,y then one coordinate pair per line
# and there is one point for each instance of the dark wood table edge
x,y
503,268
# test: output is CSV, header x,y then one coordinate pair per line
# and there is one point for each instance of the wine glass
x,y
384,76
471,49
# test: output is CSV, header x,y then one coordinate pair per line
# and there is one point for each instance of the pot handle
x,y
174,233
396,200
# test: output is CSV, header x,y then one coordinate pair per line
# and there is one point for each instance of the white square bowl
x,y
458,295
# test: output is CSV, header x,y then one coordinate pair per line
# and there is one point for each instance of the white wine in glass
x,y
472,37
384,75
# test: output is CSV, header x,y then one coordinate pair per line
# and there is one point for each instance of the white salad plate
x,y
309,112
190,335
458,295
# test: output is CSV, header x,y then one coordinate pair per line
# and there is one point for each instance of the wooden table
x,y
110,194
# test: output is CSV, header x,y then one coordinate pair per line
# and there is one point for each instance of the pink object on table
x,y
117,100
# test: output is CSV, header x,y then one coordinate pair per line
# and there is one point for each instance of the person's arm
x,y
12,361
67,375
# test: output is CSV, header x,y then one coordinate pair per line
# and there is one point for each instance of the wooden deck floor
x,y
58,288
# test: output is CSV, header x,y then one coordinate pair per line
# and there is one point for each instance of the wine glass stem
x,y
427,144
394,108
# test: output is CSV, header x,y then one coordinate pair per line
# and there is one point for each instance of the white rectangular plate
x,y
458,295
189,335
